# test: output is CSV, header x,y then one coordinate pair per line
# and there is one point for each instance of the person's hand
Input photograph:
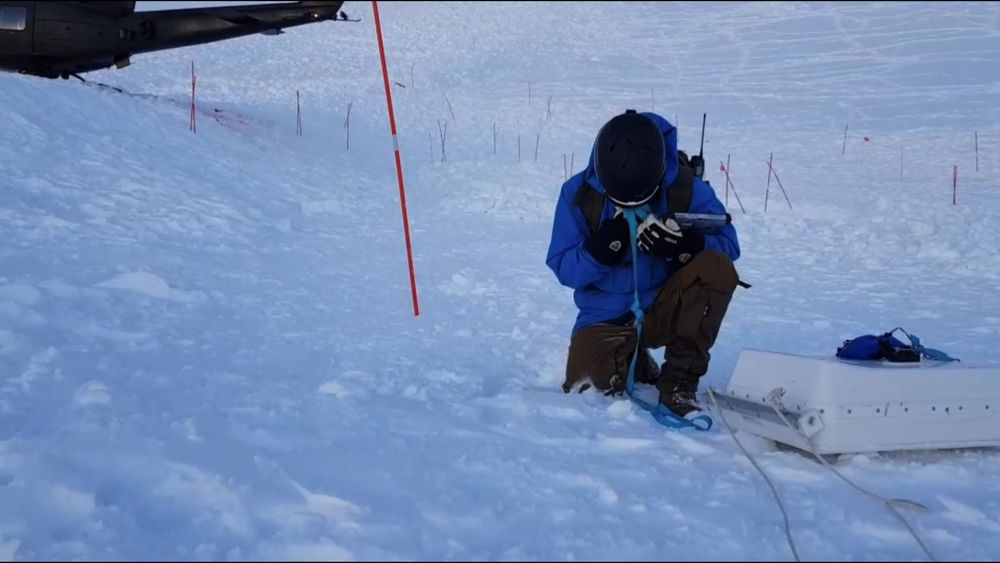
x,y
663,238
609,242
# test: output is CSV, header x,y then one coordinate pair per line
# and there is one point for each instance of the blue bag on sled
x,y
888,347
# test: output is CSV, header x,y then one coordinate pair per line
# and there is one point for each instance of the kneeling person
x,y
686,279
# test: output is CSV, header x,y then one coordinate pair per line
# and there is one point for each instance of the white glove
x,y
659,237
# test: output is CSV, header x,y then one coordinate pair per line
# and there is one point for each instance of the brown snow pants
x,y
685,318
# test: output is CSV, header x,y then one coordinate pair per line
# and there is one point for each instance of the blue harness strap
x,y
929,353
660,413
633,218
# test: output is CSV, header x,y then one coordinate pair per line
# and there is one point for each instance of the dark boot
x,y
680,396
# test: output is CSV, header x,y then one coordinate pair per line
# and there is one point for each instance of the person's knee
x,y
716,270
597,358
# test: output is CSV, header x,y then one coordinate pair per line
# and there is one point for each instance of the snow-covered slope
x,y
207,346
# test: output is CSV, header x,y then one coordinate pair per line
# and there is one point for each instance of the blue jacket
x,y
603,293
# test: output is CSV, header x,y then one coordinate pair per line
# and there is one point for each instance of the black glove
x,y
609,242
663,238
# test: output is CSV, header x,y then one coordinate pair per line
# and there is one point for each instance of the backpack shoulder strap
x,y
682,157
591,202
680,191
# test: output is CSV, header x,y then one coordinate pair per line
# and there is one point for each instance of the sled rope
x,y
891,504
774,490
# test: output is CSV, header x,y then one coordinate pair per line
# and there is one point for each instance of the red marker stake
x,y
399,163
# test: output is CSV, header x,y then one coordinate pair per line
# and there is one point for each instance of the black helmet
x,y
630,158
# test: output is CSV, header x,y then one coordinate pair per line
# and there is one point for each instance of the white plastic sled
x,y
834,406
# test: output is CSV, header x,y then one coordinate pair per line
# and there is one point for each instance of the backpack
x,y
888,347
679,194
877,347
